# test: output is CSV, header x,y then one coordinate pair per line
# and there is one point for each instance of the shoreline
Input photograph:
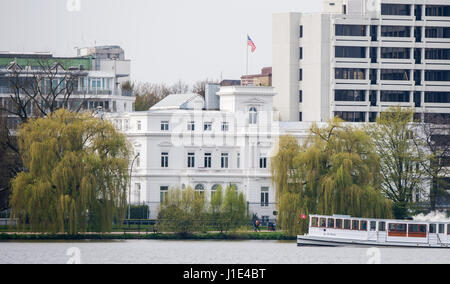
x,y
269,236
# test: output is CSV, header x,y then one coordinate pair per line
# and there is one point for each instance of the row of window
x,y
350,116
392,31
362,225
207,160
392,75
200,188
390,96
392,53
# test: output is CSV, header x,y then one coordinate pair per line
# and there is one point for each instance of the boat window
x,y
397,230
347,224
363,226
315,222
323,222
382,227
401,227
338,223
373,225
355,225
432,228
417,231
330,223
441,229
448,229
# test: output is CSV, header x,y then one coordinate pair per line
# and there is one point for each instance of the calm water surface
x,y
208,252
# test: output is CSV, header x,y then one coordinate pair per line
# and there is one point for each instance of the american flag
x,y
251,43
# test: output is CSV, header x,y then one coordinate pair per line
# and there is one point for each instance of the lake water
x,y
207,252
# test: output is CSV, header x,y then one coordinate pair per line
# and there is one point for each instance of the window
x,y
253,116
437,32
264,196
191,160
397,230
448,229
350,95
137,197
238,161
330,223
164,126
350,52
191,126
417,231
127,124
208,160
224,161
351,116
363,226
164,160
347,225
214,189
300,96
373,225
300,75
350,74
355,225
263,163
301,31
395,31
138,160
395,74
437,11
437,97
395,53
301,53
395,96
225,126
315,222
139,125
437,75
433,228
441,229
163,193
207,126
199,188
395,10
350,30
437,54
382,226
300,116
323,222
339,223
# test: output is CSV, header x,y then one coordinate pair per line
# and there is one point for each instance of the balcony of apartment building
x,y
102,92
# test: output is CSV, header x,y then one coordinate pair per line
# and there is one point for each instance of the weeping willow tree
x,y
336,171
76,174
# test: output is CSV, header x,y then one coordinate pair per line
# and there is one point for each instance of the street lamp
x,y
129,192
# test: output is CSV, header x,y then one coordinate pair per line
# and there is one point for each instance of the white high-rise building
x,y
360,57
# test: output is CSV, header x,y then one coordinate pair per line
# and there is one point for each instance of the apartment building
x,y
359,57
95,81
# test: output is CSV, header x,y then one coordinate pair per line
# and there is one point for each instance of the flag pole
x,y
246,70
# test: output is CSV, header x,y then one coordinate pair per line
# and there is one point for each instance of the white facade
x,y
193,147
360,57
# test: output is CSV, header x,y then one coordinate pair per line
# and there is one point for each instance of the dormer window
x,y
253,116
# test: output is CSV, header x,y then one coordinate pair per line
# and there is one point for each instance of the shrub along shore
x,y
148,236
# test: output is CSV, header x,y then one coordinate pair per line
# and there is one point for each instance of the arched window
x,y
214,189
253,116
200,189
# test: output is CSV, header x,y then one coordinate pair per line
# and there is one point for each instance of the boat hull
x,y
338,242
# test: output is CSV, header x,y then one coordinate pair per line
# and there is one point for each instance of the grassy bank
x,y
196,236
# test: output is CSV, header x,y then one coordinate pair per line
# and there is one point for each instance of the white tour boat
x,y
338,230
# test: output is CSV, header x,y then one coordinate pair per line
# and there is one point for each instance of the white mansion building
x,y
179,143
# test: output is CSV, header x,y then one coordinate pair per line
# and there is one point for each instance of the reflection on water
x,y
207,252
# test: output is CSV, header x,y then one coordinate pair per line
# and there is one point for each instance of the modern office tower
x,y
360,57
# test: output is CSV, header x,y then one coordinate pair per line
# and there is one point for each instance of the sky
x,y
167,40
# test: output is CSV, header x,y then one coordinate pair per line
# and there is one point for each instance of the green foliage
x,y
187,211
335,172
76,174
400,158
